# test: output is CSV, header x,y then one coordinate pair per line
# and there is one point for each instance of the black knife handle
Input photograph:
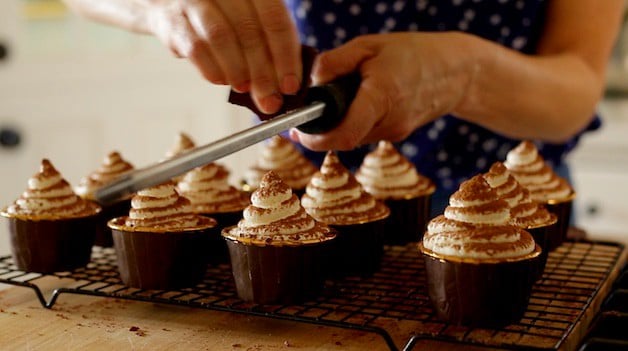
x,y
337,96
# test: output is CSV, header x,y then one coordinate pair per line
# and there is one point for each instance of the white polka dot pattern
x,y
448,150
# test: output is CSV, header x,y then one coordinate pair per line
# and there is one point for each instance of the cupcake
x,y
277,250
51,228
479,268
182,143
524,213
531,171
161,243
333,196
282,157
112,167
210,194
391,178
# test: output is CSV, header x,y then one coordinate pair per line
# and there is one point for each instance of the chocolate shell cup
x,y
217,251
480,293
542,234
103,232
408,219
156,259
268,274
358,248
562,209
51,245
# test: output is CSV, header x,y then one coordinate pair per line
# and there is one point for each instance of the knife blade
x,y
325,106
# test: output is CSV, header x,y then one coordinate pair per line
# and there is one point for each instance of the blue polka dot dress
x,y
448,150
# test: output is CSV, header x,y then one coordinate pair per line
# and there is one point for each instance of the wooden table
x,y
78,322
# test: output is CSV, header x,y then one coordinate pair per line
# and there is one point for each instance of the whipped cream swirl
x,y
475,202
524,212
112,167
531,171
161,207
490,242
209,191
334,196
386,174
282,157
182,143
275,217
49,196
475,225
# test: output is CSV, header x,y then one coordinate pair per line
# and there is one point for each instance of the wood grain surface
x,y
78,322
94,323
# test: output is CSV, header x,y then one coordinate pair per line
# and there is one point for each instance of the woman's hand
x,y
251,45
408,80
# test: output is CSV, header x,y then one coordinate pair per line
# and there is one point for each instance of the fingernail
x,y
271,103
294,135
242,87
290,84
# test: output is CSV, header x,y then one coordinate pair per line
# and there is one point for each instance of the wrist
x,y
480,56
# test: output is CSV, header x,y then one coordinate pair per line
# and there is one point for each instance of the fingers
x,y
195,49
252,40
218,40
365,113
173,28
367,109
253,44
283,43
206,64
343,60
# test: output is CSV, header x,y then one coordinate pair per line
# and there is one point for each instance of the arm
x,y
251,45
554,92
410,79
127,14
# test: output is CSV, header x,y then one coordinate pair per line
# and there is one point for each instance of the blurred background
x,y
72,91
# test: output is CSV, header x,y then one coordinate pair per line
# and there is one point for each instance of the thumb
x,y
342,61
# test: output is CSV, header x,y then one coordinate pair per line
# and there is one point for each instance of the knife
x,y
324,108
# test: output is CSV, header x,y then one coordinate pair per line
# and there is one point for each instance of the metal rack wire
x,y
394,296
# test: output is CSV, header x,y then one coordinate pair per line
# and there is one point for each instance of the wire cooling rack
x,y
393,303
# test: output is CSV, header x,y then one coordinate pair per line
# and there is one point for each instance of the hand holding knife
x,y
325,106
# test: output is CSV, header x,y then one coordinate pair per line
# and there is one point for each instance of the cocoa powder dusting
x,y
137,330
272,189
475,188
46,169
497,168
272,180
525,147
